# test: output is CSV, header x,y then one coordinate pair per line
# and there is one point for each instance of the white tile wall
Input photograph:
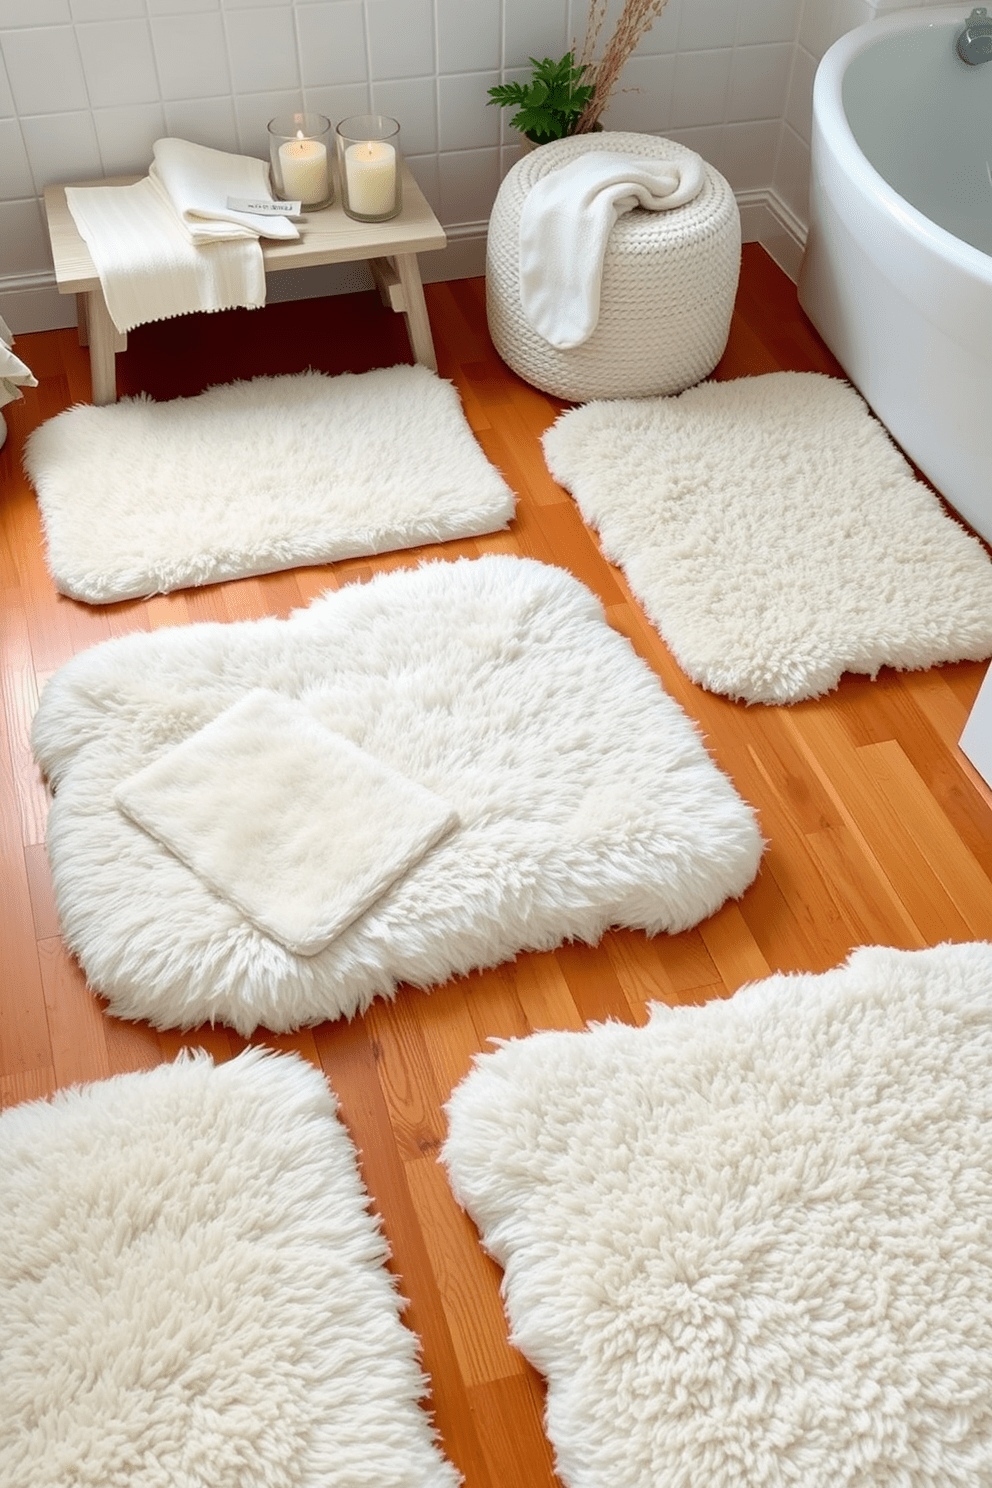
x,y
190,54
87,86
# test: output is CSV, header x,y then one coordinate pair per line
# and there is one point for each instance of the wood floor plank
x,y
411,1090
27,1085
469,1289
20,691
593,982
77,1027
450,1032
901,790
543,993
735,952
868,902
501,1410
131,1046
25,1042
883,827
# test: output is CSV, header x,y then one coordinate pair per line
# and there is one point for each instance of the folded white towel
x,y
147,265
13,373
197,182
297,827
565,223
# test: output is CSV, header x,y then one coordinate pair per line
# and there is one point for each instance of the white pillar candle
x,y
303,163
370,167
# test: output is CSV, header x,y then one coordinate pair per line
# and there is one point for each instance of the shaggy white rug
x,y
584,795
775,535
251,477
751,1242
192,1291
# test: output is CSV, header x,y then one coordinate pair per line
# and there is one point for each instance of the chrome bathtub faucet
x,y
975,42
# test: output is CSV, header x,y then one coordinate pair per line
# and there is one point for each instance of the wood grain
x,y
878,829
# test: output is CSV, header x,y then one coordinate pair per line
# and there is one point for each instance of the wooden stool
x,y
328,236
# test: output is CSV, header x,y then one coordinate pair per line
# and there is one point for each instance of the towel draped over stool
x,y
169,244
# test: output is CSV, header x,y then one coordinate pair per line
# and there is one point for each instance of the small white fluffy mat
x,y
584,795
300,830
775,535
141,498
749,1243
193,1291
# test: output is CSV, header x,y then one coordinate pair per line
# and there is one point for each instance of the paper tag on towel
x,y
264,208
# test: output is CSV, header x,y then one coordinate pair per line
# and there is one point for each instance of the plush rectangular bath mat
x,y
775,535
142,498
193,1291
583,794
748,1244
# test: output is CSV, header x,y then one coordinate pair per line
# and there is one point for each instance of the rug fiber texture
x,y
748,1243
583,794
775,535
193,1291
142,498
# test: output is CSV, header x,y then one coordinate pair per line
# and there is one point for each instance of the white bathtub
x,y
897,274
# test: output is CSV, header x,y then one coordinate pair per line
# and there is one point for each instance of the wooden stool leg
x,y
83,318
417,322
105,342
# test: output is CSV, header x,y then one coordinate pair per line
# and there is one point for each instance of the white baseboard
x,y
766,219
31,302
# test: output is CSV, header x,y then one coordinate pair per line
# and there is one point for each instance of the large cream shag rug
x,y
775,535
751,1242
583,795
142,498
192,1291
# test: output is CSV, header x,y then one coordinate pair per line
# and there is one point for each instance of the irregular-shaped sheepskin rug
x,y
193,1292
750,1244
583,794
775,535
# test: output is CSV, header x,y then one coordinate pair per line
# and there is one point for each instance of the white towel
x,y
147,265
297,827
197,182
13,373
566,221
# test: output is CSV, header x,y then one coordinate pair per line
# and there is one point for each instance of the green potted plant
x,y
550,103
569,97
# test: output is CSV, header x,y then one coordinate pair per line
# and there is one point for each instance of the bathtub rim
x,y
833,135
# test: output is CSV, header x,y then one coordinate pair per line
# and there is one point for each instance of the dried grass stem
x,y
635,20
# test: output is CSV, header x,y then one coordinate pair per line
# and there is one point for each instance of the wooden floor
x,y
878,829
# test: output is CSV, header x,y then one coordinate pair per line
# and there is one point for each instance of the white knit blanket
x,y
148,267
197,182
296,826
565,223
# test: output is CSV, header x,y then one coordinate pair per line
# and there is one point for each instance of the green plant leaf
x,y
551,102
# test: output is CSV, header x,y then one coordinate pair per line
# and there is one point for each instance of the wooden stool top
x,y
327,236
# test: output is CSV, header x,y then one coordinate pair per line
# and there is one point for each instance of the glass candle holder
x,y
298,152
368,151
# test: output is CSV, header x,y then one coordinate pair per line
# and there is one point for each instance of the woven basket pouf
x,y
669,282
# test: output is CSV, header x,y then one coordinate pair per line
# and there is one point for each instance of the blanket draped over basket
x,y
669,279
